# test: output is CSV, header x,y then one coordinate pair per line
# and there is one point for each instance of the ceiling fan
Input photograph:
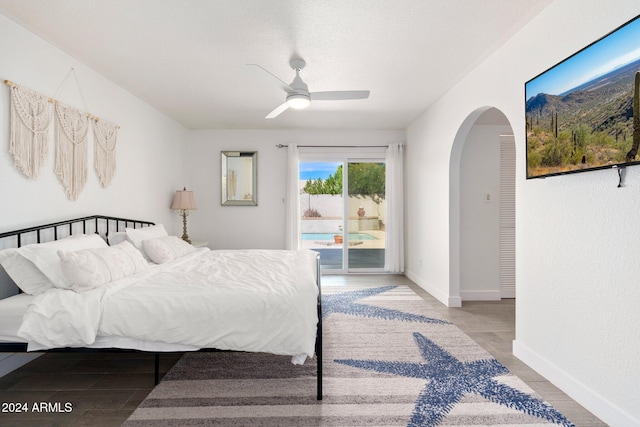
x,y
298,95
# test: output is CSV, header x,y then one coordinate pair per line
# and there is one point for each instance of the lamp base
x,y
185,236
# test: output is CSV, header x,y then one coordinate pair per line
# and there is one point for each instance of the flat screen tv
x,y
584,113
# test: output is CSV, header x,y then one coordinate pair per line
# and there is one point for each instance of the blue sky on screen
x,y
613,51
315,170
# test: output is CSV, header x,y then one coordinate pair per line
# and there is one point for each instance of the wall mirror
x,y
239,177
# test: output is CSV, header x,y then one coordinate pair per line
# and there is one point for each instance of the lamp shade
x,y
184,200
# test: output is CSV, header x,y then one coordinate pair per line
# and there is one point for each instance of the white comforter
x,y
248,300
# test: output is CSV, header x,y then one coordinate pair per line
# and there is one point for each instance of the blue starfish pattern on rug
x,y
450,379
345,303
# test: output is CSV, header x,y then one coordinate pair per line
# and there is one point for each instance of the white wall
x,y
577,235
262,226
149,146
480,218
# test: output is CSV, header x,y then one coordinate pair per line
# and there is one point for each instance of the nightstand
x,y
200,244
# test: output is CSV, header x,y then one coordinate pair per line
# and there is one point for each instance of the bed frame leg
x,y
319,332
319,357
157,369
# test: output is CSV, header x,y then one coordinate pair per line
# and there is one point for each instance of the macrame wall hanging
x,y
104,150
71,129
30,118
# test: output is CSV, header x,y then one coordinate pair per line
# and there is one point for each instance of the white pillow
x,y
45,255
90,268
165,249
24,273
137,235
116,237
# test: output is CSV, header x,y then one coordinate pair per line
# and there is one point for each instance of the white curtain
x,y
292,239
394,254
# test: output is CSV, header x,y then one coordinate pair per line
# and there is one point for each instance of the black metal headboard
x,y
98,224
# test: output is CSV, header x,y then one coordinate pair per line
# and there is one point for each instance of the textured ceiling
x,y
188,58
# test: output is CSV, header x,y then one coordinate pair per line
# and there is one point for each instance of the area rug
x,y
389,360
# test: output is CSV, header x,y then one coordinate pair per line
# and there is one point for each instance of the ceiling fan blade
x,y
339,95
278,110
272,78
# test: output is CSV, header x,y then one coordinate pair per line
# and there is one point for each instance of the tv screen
x,y
584,113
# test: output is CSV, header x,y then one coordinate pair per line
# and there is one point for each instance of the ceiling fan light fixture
x,y
298,95
298,101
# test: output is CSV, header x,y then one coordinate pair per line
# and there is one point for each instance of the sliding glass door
x,y
366,210
322,211
342,212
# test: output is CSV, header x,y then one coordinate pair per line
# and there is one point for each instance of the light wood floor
x,y
104,389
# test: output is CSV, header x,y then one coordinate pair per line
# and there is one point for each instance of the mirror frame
x,y
225,156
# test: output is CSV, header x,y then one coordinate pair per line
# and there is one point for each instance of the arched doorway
x,y
482,208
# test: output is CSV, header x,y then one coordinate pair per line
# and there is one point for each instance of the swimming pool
x,y
329,236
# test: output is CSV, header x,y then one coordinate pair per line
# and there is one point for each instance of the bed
x,y
104,283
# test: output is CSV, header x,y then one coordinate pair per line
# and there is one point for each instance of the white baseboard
x,y
507,292
487,295
12,361
454,302
449,301
592,401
